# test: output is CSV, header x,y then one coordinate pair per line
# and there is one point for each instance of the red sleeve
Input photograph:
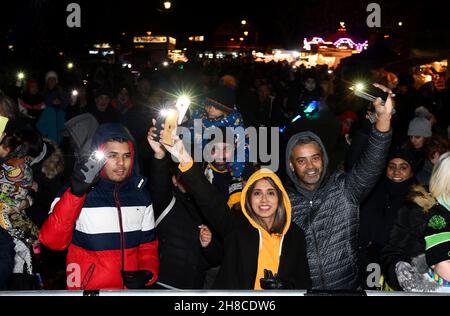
x,y
56,232
149,259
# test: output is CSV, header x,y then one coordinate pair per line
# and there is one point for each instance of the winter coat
x,y
31,104
51,120
244,240
6,257
406,240
47,173
16,179
110,115
93,226
378,215
51,123
329,214
183,261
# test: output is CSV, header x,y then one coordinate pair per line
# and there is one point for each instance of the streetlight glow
x,y
400,23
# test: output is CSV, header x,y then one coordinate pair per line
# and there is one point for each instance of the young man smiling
x,y
106,219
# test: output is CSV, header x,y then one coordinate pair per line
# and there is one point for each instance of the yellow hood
x,y
258,175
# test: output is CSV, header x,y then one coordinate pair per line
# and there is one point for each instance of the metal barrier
x,y
217,293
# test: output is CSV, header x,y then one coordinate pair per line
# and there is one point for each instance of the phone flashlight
x,y
369,93
99,155
182,106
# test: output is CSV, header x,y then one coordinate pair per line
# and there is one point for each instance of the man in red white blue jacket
x,y
105,218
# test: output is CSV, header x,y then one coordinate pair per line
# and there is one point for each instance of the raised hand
x,y
152,139
384,112
178,150
86,173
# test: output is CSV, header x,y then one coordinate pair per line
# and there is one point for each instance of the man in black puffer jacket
x,y
326,206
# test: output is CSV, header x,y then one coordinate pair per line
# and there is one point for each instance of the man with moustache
x,y
105,218
326,206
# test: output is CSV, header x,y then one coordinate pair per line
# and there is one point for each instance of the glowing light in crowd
x,y
20,75
243,22
400,23
167,5
246,33
99,155
74,93
70,65
359,86
165,64
311,107
296,118
164,112
182,106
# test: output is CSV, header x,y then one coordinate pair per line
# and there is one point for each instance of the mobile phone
x,y
3,121
170,120
369,92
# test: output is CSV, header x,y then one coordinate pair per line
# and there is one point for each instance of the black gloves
x,y
136,279
271,282
86,173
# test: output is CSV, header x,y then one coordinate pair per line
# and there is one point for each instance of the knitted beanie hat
x,y
419,126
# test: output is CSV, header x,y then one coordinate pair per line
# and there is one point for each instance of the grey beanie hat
x,y
419,126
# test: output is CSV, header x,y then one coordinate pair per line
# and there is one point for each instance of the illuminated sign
x,y
154,39
342,43
199,38
150,39
102,46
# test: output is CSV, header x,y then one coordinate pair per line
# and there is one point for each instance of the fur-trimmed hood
x,y
420,196
53,163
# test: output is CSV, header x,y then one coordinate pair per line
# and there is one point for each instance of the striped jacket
x,y
95,227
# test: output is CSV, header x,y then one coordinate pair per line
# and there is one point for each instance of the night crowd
x,y
359,184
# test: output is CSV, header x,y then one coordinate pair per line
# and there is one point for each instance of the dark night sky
x,y
280,22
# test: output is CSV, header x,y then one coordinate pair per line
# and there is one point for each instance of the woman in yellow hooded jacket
x,y
262,249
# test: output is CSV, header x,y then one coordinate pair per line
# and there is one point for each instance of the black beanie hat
x,y
404,154
222,98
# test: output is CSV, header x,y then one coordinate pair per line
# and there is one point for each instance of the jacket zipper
x,y
322,277
122,237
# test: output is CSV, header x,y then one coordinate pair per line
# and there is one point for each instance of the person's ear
x,y
291,167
